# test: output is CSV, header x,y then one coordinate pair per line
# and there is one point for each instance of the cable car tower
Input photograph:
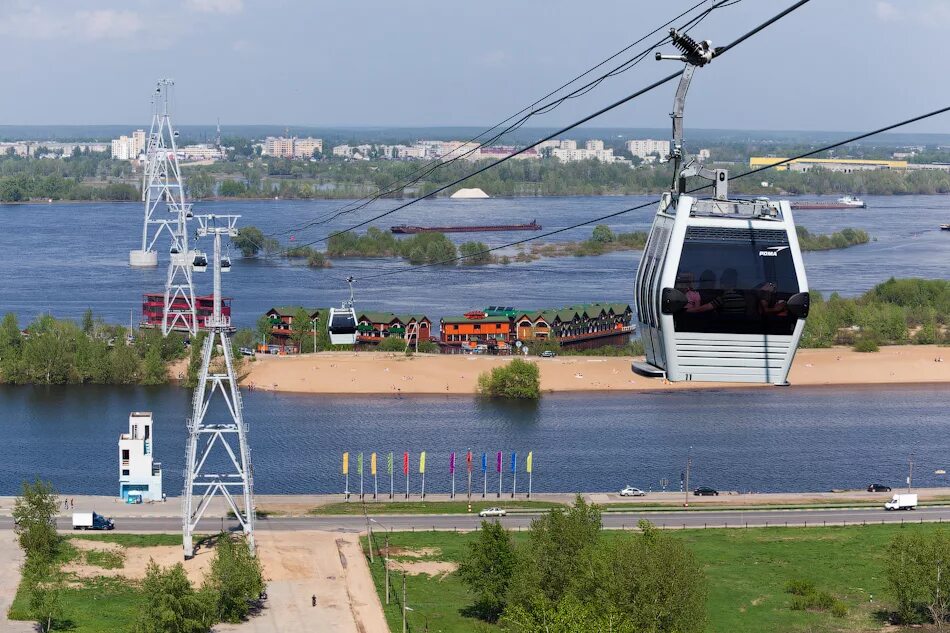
x,y
721,291
162,184
218,433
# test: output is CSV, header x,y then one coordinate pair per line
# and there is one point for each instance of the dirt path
x,y
10,560
330,566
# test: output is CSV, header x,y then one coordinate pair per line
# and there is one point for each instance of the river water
x,y
772,439
63,258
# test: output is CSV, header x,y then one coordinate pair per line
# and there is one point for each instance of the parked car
x,y
492,512
246,351
706,491
879,488
902,502
91,521
548,354
630,491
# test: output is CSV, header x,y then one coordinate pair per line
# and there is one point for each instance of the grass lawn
x,y
429,507
747,570
98,604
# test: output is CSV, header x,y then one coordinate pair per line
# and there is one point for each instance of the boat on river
x,y
844,202
483,228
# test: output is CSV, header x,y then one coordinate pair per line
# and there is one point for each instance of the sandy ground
x,y
299,565
384,373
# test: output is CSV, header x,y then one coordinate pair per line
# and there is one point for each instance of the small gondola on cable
x,y
341,322
721,292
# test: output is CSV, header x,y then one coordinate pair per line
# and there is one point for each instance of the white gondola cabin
x,y
721,291
341,322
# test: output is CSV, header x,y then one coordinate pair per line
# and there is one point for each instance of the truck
x,y
902,502
91,521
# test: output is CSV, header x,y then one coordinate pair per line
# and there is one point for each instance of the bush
x,y
518,379
799,587
392,344
235,579
866,344
428,347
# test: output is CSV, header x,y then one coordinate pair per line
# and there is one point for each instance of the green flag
x,y
359,463
389,464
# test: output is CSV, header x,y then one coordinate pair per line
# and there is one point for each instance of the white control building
x,y
139,474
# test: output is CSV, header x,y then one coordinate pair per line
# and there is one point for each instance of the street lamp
x,y
385,556
689,462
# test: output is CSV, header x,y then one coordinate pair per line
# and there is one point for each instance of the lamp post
x,y
910,472
689,463
313,322
405,607
386,555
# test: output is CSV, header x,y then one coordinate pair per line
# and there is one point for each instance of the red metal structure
x,y
154,302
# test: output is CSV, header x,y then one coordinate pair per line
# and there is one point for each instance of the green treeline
x,y
548,177
567,576
895,312
839,239
23,179
424,248
56,352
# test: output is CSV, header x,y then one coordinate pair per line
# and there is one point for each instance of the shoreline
x,y
383,373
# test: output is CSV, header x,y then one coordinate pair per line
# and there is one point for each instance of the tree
x,y
567,616
555,554
34,517
518,379
155,372
235,579
918,576
301,330
474,253
87,322
602,233
44,588
263,328
251,240
487,569
171,603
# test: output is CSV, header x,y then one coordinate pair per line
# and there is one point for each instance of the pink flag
x,y
452,463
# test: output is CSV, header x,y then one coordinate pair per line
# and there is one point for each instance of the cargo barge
x,y
486,228
847,202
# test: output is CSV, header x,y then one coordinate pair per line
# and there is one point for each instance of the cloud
x,y
216,6
38,23
886,12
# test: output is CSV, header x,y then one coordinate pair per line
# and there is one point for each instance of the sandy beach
x,y
386,373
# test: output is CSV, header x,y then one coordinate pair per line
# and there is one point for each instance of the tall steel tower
x,y
162,186
229,467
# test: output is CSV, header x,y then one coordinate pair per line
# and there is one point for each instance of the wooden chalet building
x,y
575,324
373,327
153,305
281,321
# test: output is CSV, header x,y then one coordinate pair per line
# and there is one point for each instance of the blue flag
x,y
484,462
514,461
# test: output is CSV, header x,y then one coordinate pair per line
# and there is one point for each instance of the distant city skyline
x,y
827,66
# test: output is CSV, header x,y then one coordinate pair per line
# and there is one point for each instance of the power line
x,y
531,110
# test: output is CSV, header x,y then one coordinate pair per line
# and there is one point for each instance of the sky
x,y
830,65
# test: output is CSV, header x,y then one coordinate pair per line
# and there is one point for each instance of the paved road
x,y
667,519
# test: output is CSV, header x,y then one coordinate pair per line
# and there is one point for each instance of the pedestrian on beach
x,y
72,502
313,600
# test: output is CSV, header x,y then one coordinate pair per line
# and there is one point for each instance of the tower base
x,y
143,259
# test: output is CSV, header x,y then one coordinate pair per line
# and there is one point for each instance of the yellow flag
x,y
346,463
530,459
422,462
372,464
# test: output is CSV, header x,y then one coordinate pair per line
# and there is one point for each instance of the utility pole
x,y
910,472
386,566
405,607
689,463
313,322
232,464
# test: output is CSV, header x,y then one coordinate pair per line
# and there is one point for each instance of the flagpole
x,y
452,468
514,473
361,475
501,473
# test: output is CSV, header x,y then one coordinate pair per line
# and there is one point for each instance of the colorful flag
x,y
346,463
372,464
359,463
514,461
452,463
498,462
422,462
528,462
468,461
389,463
405,463
484,462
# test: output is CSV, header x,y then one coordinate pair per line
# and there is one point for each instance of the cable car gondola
x,y
200,263
721,291
226,264
341,322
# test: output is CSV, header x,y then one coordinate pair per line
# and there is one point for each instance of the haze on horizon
x,y
831,65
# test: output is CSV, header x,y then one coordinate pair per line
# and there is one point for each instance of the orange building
x,y
477,331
